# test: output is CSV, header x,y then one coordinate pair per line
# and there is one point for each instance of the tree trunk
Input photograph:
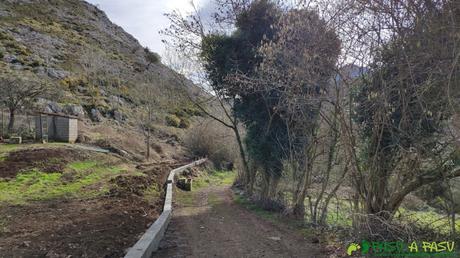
x,y
378,201
251,178
298,210
246,171
3,133
148,143
11,122
265,191
274,182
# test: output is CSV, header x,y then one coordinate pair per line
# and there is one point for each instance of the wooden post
x,y
28,121
3,134
41,127
148,143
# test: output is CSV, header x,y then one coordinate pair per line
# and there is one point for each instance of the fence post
x,y
2,135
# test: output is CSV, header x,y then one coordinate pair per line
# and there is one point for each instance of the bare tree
x,y
19,90
408,55
184,35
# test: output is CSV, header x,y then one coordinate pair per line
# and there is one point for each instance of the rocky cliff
x,y
92,63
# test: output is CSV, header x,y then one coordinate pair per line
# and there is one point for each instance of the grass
x,y
207,179
185,198
5,149
214,178
82,165
428,219
54,28
339,213
277,218
152,193
256,209
75,182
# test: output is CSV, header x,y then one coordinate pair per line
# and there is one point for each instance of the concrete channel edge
x,y
149,242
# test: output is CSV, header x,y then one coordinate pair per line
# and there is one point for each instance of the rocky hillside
x,y
93,64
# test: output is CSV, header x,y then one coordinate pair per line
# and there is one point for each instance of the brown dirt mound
x,y
129,184
98,227
125,185
46,160
102,227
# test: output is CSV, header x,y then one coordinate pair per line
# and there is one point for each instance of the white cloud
x,y
144,18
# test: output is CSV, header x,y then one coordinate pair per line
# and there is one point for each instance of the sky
x,y
144,18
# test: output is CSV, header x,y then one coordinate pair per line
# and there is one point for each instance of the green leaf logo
x,y
352,248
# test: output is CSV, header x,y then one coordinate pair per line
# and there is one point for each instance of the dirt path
x,y
212,225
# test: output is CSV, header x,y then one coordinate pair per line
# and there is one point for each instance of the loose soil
x,y
46,160
212,225
103,226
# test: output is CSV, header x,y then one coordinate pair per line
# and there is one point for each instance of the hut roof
x,y
57,114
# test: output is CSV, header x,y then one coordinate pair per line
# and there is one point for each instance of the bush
x,y
172,120
72,83
211,139
184,123
36,62
193,111
151,57
181,113
5,36
188,112
28,135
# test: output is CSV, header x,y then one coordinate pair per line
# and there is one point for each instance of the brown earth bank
x,y
44,159
212,225
105,225
100,227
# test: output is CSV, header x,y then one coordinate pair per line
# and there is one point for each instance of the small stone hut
x,y
56,127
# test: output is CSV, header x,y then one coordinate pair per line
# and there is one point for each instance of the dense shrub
x,y
152,57
211,139
72,83
188,112
184,123
172,120
36,62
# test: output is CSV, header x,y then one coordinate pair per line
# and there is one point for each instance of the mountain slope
x,y
98,71
92,61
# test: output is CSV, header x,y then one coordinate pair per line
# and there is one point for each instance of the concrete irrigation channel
x,y
150,241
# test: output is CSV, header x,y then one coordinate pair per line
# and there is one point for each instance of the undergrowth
x,y
214,178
